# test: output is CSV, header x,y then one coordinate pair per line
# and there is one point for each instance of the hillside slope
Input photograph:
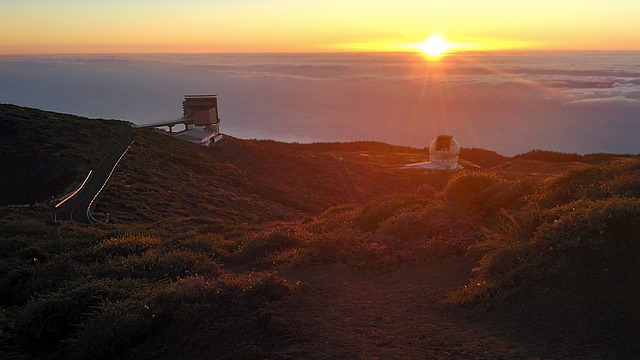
x,y
260,249
235,181
44,153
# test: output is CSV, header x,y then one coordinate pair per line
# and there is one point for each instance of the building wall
x,y
205,117
202,110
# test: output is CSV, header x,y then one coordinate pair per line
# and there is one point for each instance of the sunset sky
x,y
210,26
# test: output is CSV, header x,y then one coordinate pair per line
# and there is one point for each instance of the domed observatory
x,y
443,154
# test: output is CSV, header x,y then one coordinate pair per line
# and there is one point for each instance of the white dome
x,y
444,145
444,151
443,154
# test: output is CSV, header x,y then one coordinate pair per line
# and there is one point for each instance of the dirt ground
x,y
346,313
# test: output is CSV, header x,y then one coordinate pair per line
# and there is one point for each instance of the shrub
x,y
592,183
509,252
513,228
203,243
19,284
50,318
333,218
186,300
112,329
27,228
281,237
404,230
626,181
181,263
128,245
425,233
550,156
289,259
375,212
9,245
481,157
482,193
33,255
589,183
344,245
598,231
204,224
584,238
157,265
501,273
464,187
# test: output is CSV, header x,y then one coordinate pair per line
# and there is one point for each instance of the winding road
x,y
78,207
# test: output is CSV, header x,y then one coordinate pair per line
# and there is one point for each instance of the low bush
x,y
48,319
405,230
594,231
483,193
345,245
375,212
585,238
590,183
625,181
425,233
550,156
107,318
9,245
212,245
281,237
112,329
32,255
593,183
157,265
128,245
333,218
22,282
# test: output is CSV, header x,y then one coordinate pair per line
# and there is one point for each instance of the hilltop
x,y
261,249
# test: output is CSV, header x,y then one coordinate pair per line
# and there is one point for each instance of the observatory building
x,y
443,154
199,118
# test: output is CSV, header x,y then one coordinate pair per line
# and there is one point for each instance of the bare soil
x,y
347,313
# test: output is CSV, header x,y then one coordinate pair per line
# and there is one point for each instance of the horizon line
x,y
452,53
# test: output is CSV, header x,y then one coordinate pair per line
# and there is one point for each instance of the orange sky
x,y
142,26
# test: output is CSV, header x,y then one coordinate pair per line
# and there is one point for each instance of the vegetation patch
x,y
199,237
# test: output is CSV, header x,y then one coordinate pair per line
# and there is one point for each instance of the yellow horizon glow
x,y
435,46
452,46
225,26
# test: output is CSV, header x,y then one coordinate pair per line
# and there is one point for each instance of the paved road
x,y
77,208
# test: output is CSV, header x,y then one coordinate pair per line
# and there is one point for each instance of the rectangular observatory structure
x,y
202,110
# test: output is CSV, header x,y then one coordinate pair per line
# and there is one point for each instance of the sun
x,y
435,46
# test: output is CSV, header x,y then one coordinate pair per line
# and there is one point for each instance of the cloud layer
x,y
571,102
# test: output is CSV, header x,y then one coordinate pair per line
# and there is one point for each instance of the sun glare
x,y
435,46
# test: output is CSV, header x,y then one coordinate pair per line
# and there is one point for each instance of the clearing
x,y
341,312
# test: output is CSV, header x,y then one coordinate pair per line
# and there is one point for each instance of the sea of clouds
x,y
584,102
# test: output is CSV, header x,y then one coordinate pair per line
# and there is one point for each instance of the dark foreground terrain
x,y
259,249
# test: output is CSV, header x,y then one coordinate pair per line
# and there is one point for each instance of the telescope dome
x,y
443,154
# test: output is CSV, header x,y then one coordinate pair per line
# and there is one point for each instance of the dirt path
x,y
345,313
348,183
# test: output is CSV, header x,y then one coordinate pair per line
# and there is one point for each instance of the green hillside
x,y
43,153
251,249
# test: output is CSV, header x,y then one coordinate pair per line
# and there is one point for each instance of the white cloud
x,y
615,101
